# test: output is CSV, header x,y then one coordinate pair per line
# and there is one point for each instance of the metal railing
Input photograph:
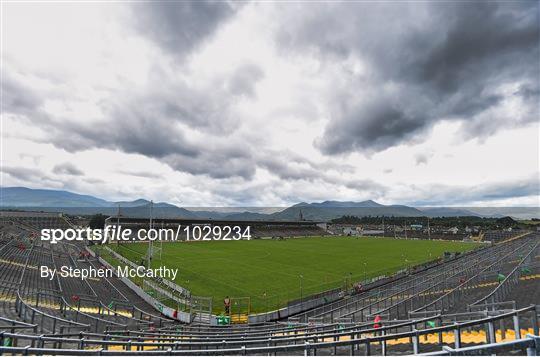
x,y
449,298
25,311
530,345
499,293
367,340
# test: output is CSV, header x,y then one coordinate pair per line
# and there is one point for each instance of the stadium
x,y
269,177
460,298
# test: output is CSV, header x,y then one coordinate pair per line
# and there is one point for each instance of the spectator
x,y
227,304
377,322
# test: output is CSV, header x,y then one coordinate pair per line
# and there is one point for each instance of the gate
x,y
240,309
201,309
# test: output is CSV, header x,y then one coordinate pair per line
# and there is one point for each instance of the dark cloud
x,y
423,62
481,38
218,161
154,122
67,168
244,79
31,176
17,98
374,125
157,120
287,169
290,167
180,26
22,173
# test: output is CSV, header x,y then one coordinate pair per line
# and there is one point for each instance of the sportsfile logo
x,y
116,233
110,233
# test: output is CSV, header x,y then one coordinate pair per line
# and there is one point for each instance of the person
x,y
227,303
377,322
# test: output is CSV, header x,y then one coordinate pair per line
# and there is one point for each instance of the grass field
x,y
273,272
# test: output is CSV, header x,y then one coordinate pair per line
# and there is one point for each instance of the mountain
x,y
328,210
138,202
210,214
73,203
141,202
27,197
341,204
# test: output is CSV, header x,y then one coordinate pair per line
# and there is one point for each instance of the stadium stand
x,y
482,302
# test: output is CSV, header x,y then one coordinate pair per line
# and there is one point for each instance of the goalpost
x,y
153,249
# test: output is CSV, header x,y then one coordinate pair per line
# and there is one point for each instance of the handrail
x,y
404,282
530,341
242,340
443,274
434,302
97,319
506,279
69,322
126,300
22,323
306,347
64,301
20,299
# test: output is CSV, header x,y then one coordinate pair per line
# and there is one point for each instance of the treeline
x,y
460,222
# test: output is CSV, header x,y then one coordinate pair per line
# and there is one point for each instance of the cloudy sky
x,y
273,103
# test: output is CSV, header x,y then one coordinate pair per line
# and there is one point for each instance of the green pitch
x,y
273,272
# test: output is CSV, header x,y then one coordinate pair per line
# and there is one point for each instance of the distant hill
x,y
333,209
27,197
73,203
142,202
340,204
